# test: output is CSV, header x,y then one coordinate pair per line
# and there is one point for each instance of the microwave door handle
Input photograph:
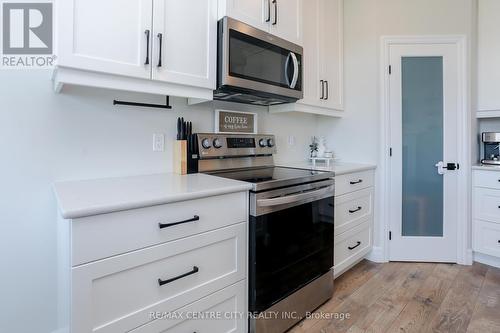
x,y
287,62
287,199
295,70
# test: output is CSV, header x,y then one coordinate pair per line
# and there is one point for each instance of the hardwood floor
x,y
410,297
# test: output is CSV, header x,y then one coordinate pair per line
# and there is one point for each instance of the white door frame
x,y
464,251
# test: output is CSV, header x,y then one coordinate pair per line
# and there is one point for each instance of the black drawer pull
x,y
356,182
163,282
355,246
355,210
166,225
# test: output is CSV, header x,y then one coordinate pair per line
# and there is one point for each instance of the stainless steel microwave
x,y
255,67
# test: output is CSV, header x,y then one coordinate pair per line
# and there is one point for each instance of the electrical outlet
x,y
291,140
158,142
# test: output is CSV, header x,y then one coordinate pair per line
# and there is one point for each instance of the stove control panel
x,y
213,145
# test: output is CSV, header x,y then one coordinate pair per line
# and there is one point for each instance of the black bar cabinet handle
x,y
322,82
164,282
166,225
268,11
355,210
275,2
160,40
147,33
356,182
355,246
327,88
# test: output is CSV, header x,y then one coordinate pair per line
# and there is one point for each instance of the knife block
x,y
180,157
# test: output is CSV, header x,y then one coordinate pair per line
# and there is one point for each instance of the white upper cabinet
x,y
286,19
185,42
282,18
323,78
116,44
253,12
105,36
488,55
331,53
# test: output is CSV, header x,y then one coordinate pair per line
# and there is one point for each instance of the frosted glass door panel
x,y
422,122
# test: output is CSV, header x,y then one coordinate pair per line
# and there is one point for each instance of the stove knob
x,y
270,143
217,144
262,143
206,143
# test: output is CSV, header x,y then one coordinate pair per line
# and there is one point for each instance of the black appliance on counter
x,y
256,67
491,150
291,231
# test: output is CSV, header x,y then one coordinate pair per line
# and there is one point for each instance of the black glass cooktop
x,y
273,177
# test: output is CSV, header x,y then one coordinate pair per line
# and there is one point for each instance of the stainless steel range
x,y
291,228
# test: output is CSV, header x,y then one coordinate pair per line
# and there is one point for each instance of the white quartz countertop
x,y
486,167
91,197
339,168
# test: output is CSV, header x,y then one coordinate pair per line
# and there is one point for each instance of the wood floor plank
x,y
360,303
396,300
456,310
344,286
411,297
421,308
351,280
486,316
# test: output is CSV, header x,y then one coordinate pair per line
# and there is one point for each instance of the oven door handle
x,y
288,199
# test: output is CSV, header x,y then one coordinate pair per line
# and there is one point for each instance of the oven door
x,y
256,60
288,249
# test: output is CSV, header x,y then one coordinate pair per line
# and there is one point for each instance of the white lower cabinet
x,y
219,312
486,215
158,283
354,197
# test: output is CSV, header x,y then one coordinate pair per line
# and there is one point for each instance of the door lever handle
x,y
441,166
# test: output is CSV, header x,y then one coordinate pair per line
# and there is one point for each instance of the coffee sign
x,y
235,122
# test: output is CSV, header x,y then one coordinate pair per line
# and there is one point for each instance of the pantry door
x,y
424,167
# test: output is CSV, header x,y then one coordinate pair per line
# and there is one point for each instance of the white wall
x,y
356,137
46,137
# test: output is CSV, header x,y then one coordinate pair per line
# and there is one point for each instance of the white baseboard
x,y
376,254
487,260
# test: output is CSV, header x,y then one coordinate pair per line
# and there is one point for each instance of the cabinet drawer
x,y
352,246
102,236
352,209
353,182
487,204
227,305
487,238
489,179
119,293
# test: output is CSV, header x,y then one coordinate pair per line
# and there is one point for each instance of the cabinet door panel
x,y
105,36
331,52
488,54
286,20
311,87
252,12
188,45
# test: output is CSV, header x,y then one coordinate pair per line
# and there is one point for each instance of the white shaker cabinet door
x,y
286,20
331,52
256,13
107,36
185,42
